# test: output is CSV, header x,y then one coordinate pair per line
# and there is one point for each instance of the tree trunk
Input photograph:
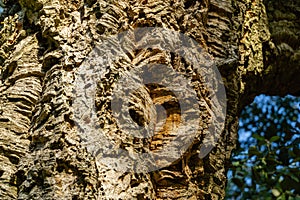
x,y
254,44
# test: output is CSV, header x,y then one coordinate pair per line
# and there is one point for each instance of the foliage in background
x,y
266,164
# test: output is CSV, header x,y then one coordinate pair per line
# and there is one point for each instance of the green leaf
x,y
295,178
275,192
281,197
236,163
274,138
253,151
258,137
263,160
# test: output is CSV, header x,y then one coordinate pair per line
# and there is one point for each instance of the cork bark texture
x,y
254,43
